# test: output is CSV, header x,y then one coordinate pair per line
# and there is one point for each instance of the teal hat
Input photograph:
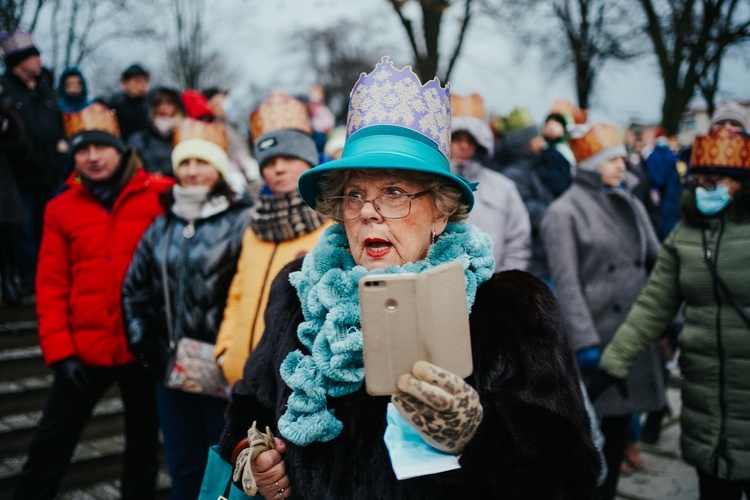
x,y
394,122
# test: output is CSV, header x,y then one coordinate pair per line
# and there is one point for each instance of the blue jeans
x,y
191,424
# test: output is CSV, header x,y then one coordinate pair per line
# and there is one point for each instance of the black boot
x,y
652,428
10,294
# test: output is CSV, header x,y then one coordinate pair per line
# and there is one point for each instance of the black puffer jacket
x,y
200,269
154,149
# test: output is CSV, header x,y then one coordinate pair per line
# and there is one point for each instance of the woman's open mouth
x,y
377,248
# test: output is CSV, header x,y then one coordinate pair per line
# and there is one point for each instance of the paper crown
x,y
197,129
566,108
95,116
15,42
596,144
468,116
390,96
394,122
279,111
722,152
469,105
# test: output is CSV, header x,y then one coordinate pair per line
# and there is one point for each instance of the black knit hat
x,y
17,47
132,71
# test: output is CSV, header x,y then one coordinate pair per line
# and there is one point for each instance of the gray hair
x,y
446,197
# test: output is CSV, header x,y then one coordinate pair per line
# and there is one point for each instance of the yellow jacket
x,y
259,263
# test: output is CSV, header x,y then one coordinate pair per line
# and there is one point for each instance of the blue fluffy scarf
x,y
331,332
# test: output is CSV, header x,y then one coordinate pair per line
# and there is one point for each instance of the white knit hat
x,y
201,149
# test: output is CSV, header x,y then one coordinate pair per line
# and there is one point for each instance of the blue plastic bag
x,y
217,480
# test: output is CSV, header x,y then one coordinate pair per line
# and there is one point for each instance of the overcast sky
x,y
253,34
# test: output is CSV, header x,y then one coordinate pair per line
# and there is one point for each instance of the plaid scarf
x,y
283,217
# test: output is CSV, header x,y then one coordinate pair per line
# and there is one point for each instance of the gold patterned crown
x,y
470,105
95,116
721,152
198,129
595,145
279,111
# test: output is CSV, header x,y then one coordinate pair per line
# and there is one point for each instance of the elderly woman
x,y
518,422
193,249
600,245
705,264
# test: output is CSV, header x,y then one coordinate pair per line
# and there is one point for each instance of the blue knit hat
x,y
394,122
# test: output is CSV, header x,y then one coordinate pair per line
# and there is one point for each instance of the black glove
x,y
75,372
601,381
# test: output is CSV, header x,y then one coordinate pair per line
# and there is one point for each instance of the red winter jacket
x,y
84,255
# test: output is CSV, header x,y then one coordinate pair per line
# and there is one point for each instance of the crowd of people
x,y
144,220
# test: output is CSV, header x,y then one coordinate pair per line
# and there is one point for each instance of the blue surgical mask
x,y
410,454
714,201
228,106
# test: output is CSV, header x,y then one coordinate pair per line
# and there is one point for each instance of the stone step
x,y
93,461
24,312
16,430
111,490
18,334
24,394
22,362
95,464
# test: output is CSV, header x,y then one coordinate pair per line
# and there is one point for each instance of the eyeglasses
x,y
389,206
707,183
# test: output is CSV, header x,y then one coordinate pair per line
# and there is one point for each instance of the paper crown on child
x,y
721,152
394,122
468,116
596,144
94,124
205,141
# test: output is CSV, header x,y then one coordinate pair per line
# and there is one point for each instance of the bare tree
x,y
425,45
690,38
580,34
335,57
191,60
13,11
80,28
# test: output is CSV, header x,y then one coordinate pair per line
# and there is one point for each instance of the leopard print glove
x,y
440,405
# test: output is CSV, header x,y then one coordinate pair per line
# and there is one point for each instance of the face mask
x,y
712,202
164,125
228,106
410,454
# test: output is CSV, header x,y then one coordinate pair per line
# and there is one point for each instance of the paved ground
x,y
666,475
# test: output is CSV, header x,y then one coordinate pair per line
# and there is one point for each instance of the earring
x,y
433,237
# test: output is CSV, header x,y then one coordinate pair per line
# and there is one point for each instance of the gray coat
x,y
600,245
499,211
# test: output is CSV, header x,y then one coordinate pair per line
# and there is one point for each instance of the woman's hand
x,y
270,473
440,405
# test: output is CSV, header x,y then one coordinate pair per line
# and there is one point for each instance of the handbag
x,y
217,480
192,367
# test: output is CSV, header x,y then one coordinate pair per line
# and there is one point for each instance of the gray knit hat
x,y
287,142
731,111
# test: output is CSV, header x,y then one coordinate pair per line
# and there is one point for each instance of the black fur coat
x,y
534,441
